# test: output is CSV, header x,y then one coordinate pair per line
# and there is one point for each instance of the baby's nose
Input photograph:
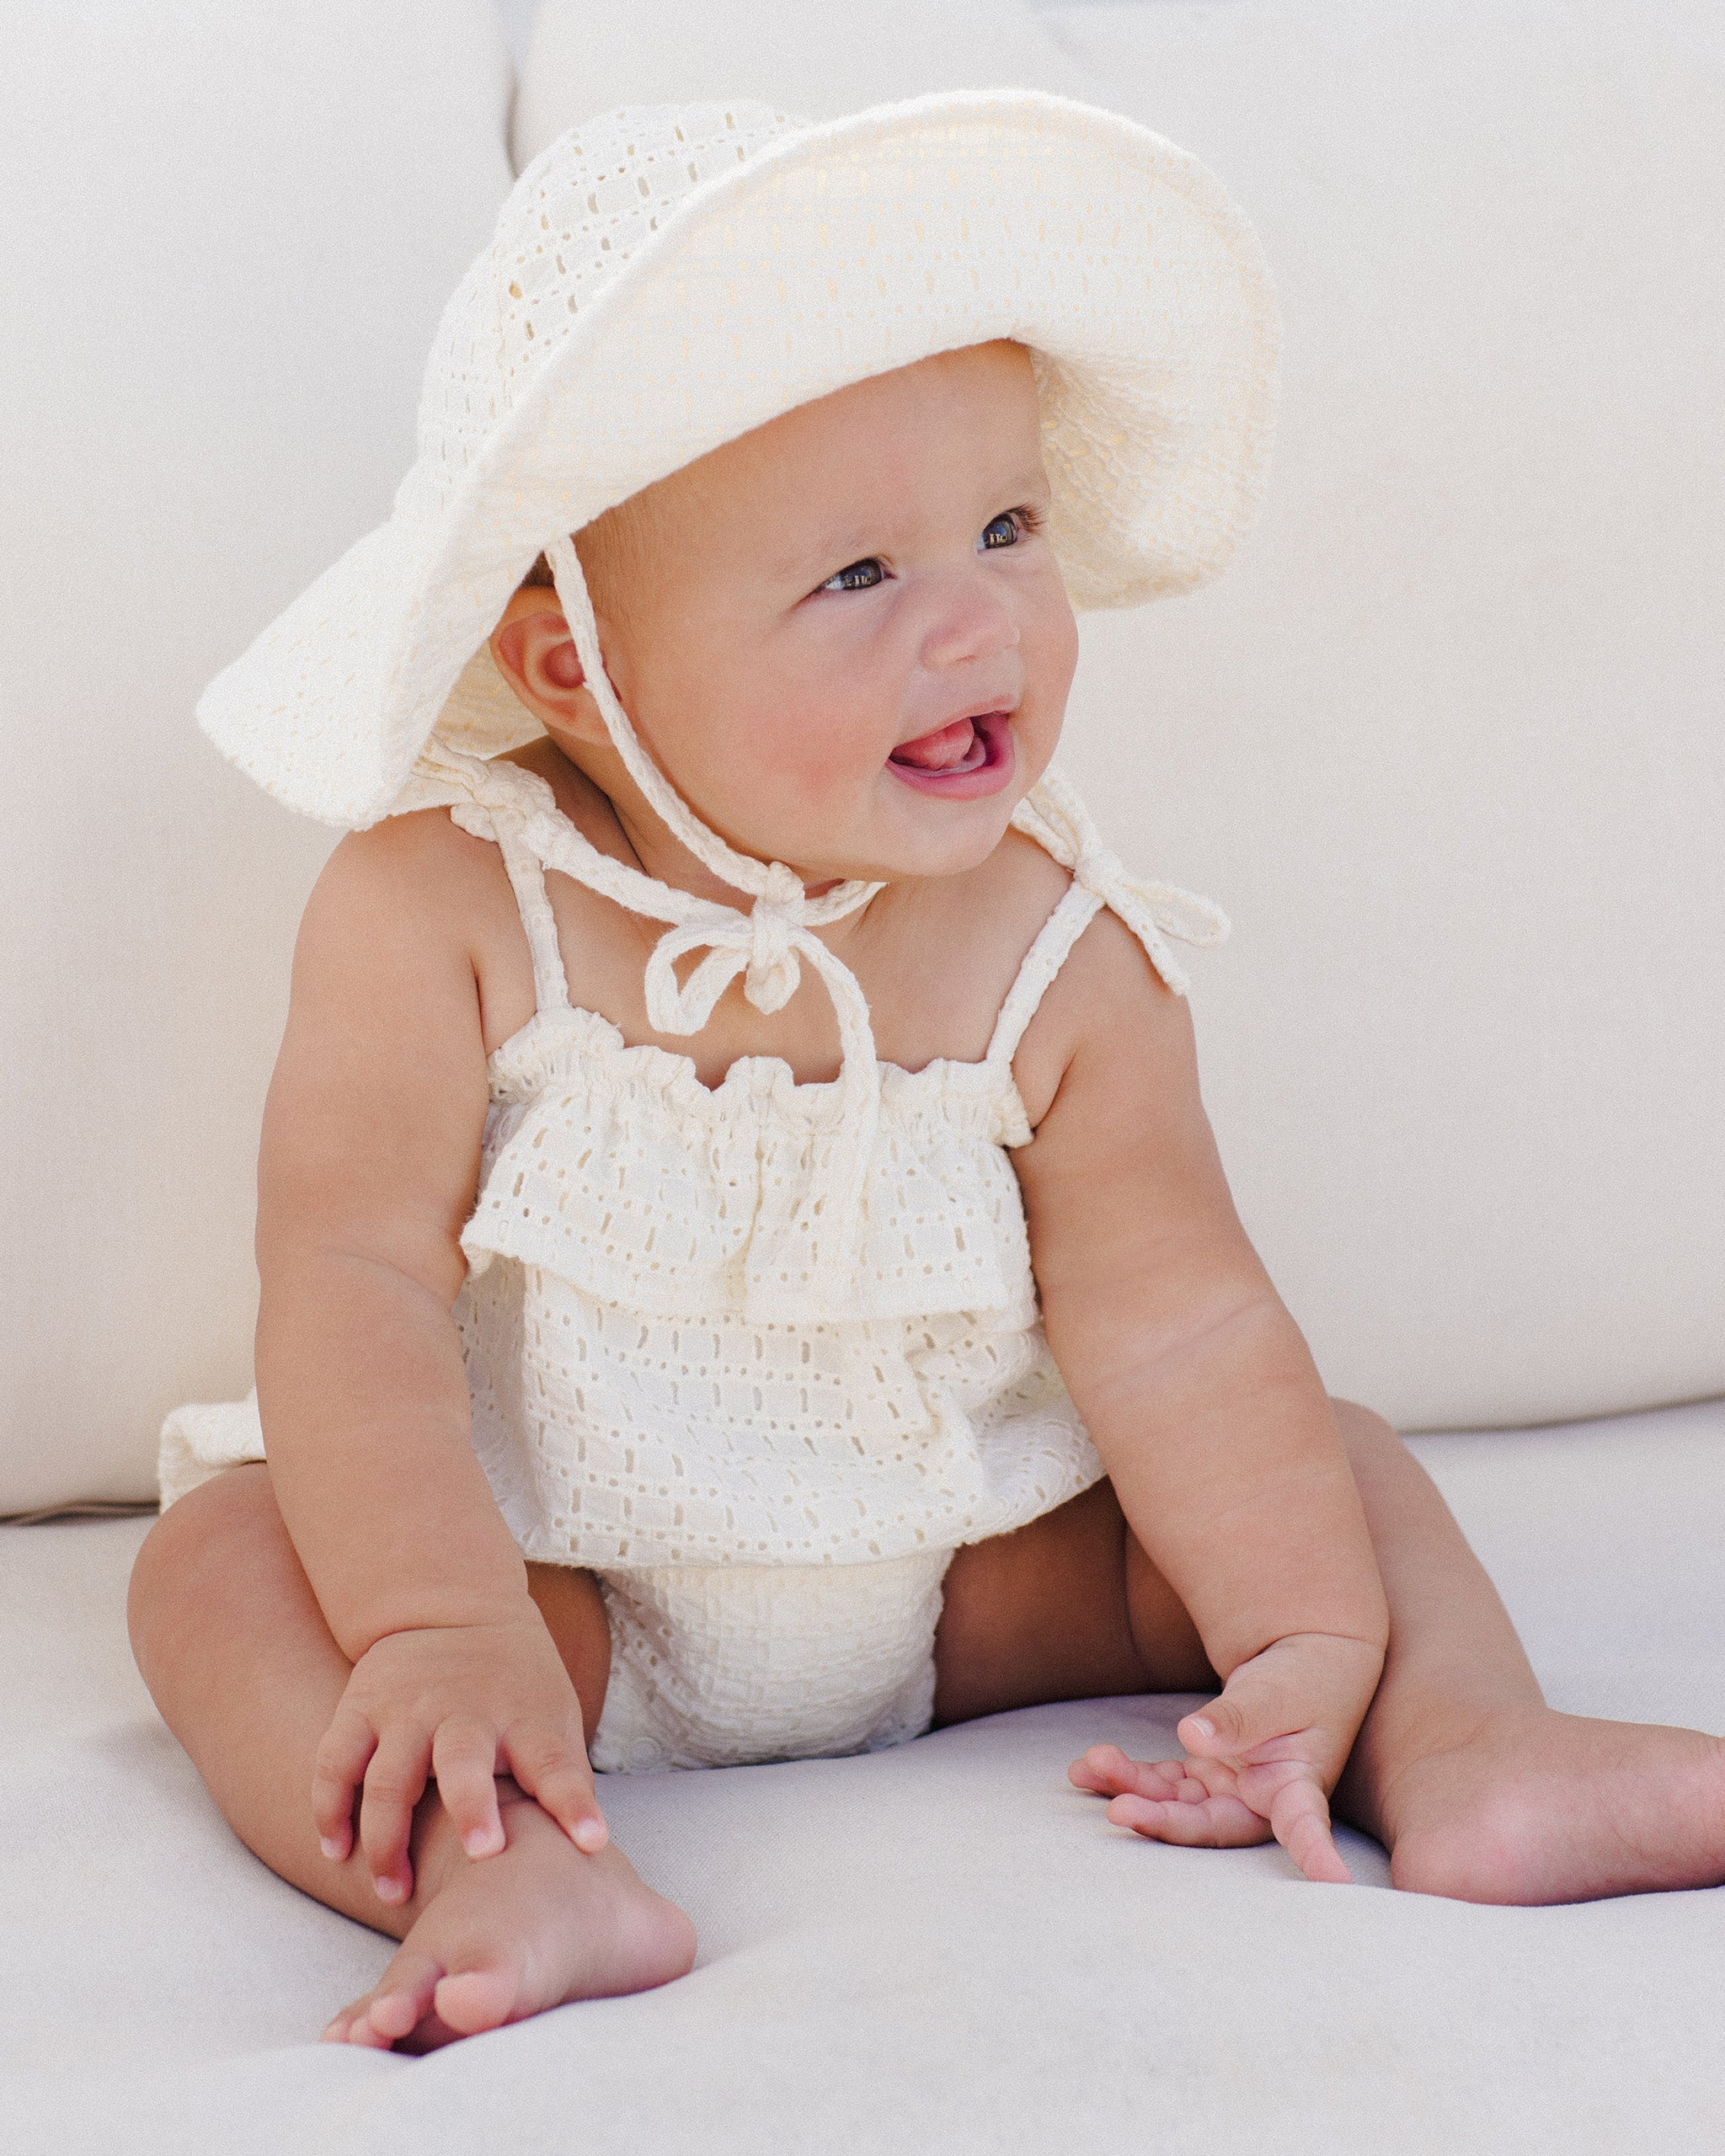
x,y
968,620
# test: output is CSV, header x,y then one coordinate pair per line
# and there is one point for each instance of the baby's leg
x,y
236,1655
1478,1790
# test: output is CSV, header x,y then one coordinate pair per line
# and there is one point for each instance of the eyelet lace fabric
x,y
680,1352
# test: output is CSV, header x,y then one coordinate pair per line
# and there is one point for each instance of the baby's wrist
x,y
1343,1645
441,1613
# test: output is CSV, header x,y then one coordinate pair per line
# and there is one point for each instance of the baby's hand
x,y
465,1703
1262,1759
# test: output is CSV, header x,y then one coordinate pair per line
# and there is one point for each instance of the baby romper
x,y
764,1419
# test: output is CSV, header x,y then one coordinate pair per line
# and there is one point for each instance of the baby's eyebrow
x,y
1031,481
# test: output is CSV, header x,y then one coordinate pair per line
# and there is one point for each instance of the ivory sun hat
x,y
664,279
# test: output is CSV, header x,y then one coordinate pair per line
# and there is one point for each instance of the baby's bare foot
x,y
1535,1806
505,1936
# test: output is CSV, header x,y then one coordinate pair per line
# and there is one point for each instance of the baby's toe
x,y
395,2008
473,2000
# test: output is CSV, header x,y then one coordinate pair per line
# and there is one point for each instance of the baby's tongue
x,y
938,751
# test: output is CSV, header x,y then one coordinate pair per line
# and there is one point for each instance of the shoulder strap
x,y
1055,939
496,800
1053,814
551,987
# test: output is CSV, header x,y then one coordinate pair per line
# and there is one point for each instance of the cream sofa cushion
x,y
813,61
941,1950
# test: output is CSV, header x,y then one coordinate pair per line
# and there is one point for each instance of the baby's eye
x,y
860,576
1009,527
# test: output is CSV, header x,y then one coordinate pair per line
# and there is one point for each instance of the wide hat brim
x,y
837,252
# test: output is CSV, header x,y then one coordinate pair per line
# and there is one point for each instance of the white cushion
x,y
226,237
935,1950
1445,741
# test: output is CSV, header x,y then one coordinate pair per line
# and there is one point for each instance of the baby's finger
x,y
1106,1769
1253,1710
395,1781
1301,1816
562,1783
464,1761
341,1758
1210,1823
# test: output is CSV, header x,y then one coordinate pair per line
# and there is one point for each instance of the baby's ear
x,y
534,654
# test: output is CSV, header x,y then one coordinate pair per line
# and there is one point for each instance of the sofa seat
x,y
940,1948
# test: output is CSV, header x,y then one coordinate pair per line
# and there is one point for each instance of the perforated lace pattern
x,y
577,214
722,1665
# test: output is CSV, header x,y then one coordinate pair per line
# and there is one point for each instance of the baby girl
x,y
745,1273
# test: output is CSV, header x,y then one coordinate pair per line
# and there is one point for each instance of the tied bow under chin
x,y
765,946
1053,814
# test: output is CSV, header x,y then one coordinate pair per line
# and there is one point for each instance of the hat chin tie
x,y
765,946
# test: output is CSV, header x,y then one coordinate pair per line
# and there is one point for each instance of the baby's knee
x,y
1365,1433
198,1554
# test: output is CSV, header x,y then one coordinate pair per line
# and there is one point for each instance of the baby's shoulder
x,y
1104,1001
415,875
421,867
433,906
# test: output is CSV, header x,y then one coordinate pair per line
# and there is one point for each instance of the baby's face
x,y
843,637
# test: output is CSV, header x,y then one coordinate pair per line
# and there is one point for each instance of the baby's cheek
x,y
785,788
821,758
1051,653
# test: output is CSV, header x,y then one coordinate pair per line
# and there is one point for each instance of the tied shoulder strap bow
x,y
1053,814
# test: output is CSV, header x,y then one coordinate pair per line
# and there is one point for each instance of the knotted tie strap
x,y
1053,814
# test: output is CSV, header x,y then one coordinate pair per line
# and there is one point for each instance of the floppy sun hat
x,y
663,280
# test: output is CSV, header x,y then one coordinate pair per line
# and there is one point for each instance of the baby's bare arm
x,y
366,1173
1193,1379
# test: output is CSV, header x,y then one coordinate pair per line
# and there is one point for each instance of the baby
x,y
785,1330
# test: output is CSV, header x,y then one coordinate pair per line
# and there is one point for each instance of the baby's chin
x,y
894,857
916,835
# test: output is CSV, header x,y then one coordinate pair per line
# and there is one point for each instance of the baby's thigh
x,y
1068,1607
574,1610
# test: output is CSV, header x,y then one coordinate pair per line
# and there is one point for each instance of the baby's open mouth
x,y
979,750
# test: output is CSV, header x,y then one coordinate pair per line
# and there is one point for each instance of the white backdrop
x,y
1445,741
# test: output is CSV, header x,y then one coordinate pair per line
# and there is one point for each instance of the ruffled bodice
x,y
760,1322
615,1168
